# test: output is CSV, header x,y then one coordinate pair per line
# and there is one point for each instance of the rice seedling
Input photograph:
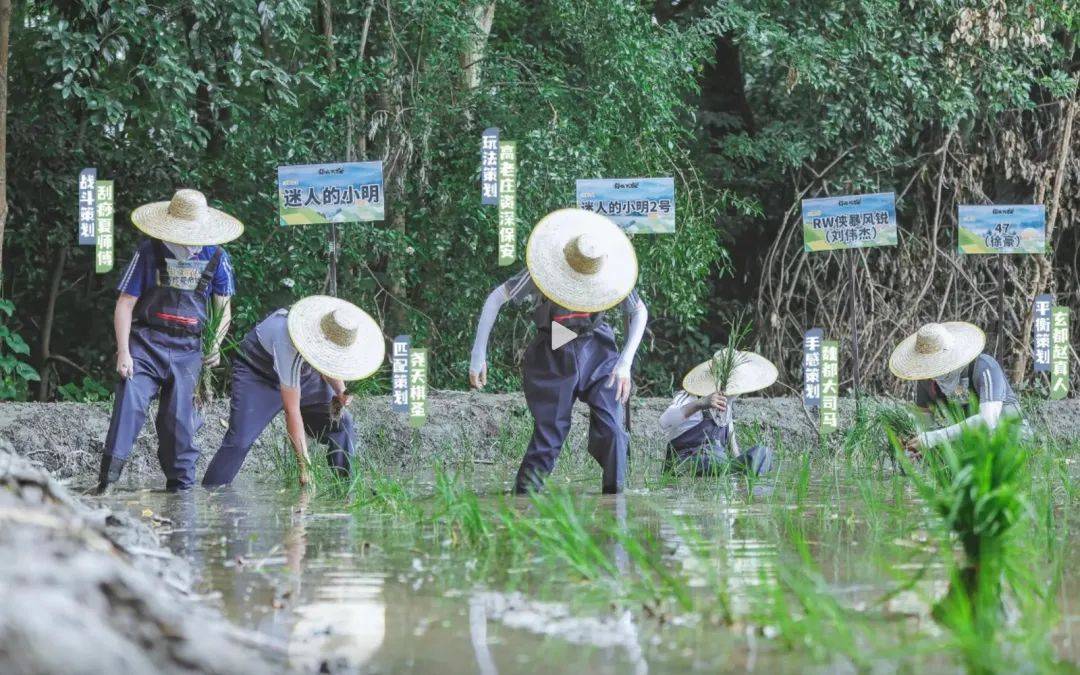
x,y
458,509
213,339
978,487
727,358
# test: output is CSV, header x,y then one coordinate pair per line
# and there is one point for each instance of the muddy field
x,y
425,564
91,590
67,438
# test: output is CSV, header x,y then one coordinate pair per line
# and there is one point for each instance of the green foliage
x,y
89,390
15,374
978,485
216,95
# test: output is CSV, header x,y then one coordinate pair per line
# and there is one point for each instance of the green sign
x,y
418,370
103,236
507,202
850,221
1059,353
989,228
830,386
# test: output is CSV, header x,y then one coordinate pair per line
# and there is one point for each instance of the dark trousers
x,y
167,366
554,379
703,450
256,400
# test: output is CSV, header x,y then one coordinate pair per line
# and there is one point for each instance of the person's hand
x,y
622,384
716,401
912,449
304,463
344,398
125,366
478,380
212,359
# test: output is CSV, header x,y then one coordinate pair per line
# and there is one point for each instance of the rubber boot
x,y
109,474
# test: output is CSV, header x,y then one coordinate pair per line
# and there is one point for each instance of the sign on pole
x,y
87,207
850,221
400,374
1015,228
637,205
812,368
830,386
103,240
507,202
314,194
1059,372
1041,332
418,370
489,166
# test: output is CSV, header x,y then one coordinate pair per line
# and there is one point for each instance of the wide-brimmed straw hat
x,y
336,337
581,260
752,372
936,349
186,219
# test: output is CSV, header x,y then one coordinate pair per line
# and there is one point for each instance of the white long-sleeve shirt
x,y
673,424
520,289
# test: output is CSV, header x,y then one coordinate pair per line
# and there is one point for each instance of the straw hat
x,y
187,220
336,337
936,349
581,260
752,372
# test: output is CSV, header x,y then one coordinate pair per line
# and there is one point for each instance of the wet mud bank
x,y
92,591
67,438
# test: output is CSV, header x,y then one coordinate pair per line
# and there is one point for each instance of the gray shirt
x,y
273,335
984,378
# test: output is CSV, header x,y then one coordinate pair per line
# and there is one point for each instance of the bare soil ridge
x,y
67,438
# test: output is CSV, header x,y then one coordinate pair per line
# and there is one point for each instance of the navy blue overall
x,y
553,379
256,400
703,448
166,348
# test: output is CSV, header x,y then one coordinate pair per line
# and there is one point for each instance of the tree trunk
x,y
47,325
5,29
326,25
482,17
1044,266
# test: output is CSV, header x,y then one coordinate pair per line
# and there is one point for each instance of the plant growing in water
x,y
728,358
978,487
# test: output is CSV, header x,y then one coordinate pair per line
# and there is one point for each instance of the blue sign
x,y
489,166
310,194
849,221
1016,228
88,207
637,205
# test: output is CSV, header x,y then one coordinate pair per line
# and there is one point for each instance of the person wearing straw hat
x,y
164,305
578,265
947,363
298,360
699,425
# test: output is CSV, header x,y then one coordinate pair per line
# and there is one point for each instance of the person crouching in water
x,y
578,264
947,363
163,308
699,425
298,360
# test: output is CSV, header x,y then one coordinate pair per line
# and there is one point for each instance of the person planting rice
x,y
298,360
578,264
947,362
699,424
159,320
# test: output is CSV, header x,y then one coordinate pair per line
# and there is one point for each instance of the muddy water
x,y
349,591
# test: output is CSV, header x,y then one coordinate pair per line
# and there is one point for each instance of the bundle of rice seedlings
x,y
727,358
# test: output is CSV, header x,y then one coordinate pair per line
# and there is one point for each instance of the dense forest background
x,y
750,104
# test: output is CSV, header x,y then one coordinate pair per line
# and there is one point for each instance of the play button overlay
x,y
560,335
